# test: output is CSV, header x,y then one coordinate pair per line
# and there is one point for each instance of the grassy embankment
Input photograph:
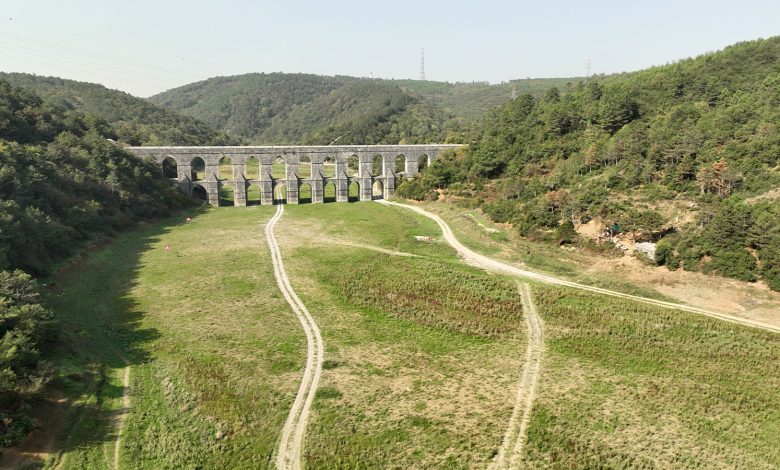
x,y
477,232
626,385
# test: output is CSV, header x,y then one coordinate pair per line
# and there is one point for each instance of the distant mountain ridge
x,y
136,121
304,108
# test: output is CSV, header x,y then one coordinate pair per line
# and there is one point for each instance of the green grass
x,y
216,356
422,351
631,385
422,355
434,293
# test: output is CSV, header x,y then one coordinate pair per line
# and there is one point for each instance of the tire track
x,y
288,454
123,414
511,451
493,265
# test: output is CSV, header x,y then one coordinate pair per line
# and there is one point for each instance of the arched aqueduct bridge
x,y
374,168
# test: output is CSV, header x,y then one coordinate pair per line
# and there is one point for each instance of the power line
x,y
80,52
49,58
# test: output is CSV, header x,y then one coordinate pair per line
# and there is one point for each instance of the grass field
x,y
626,385
215,355
422,355
411,380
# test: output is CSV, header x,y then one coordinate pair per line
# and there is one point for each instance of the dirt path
x,y
288,454
511,451
120,419
493,265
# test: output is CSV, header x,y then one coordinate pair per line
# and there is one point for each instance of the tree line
x,y
62,182
686,154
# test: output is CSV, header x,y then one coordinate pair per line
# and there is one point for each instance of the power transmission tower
x,y
422,64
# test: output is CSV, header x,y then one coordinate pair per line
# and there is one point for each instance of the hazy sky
x,y
147,46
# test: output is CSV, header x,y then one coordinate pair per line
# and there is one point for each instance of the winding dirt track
x,y
288,454
493,265
511,450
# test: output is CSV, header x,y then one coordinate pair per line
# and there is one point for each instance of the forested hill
x,y
470,101
687,154
302,108
135,121
62,182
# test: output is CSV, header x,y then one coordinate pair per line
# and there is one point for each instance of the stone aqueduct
x,y
318,157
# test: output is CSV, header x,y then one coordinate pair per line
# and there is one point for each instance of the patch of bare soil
x,y
39,444
754,301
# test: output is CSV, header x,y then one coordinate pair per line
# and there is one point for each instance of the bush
x,y
666,256
737,263
414,189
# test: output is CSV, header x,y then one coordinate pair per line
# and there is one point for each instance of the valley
x,y
298,270
407,380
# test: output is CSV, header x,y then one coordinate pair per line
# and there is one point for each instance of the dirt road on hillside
x,y
511,452
493,265
291,444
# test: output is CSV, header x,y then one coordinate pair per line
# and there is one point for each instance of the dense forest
x,y
281,108
62,182
687,155
134,121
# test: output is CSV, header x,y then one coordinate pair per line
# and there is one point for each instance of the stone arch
x,y
253,195
198,166
377,189
200,193
329,191
279,168
377,165
280,193
304,167
170,168
253,168
423,161
399,165
329,167
353,165
353,191
304,193
225,168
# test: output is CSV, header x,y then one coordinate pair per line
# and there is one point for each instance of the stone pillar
x,y
266,184
239,191
292,185
342,189
239,171
183,172
212,189
388,186
212,169
317,170
388,165
341,169
366,188
317,188
365,163
412,163
291,171
266,193
183,176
